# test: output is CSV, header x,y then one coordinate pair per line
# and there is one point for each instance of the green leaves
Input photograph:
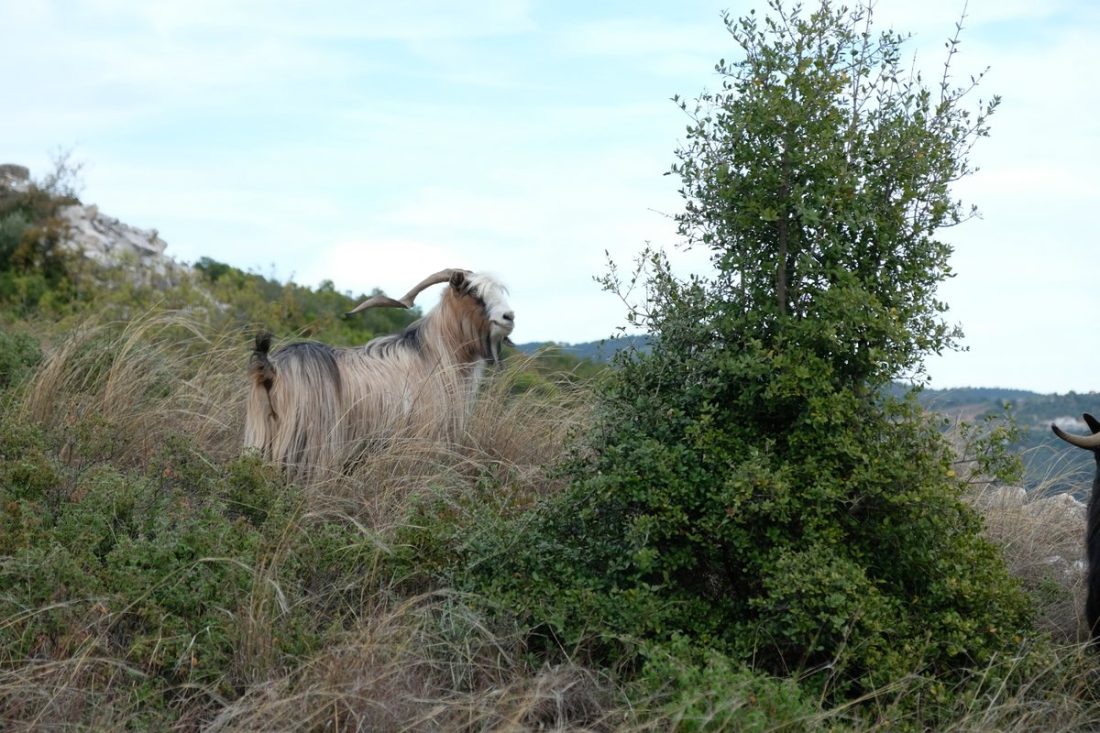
x,y
750,488
169,570
824,163
751,503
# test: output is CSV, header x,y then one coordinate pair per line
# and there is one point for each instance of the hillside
x,y
601,352
57,255
1050,466
154,578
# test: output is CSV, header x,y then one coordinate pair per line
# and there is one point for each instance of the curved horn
x,y
1091,442
1092,422
383,301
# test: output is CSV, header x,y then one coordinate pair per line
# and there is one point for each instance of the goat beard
x,y
493,349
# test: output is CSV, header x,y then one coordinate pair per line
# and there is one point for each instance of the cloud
x,y
932,17
545,232
412,20
666,49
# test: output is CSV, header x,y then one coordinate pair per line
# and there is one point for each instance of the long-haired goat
x,y
312,406
1092,525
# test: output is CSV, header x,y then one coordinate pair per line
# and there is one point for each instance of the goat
x,y
311,406
1092,525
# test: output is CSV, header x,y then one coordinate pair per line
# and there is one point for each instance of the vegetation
x,y
151,578
1047,467
739,528
751,498
602,352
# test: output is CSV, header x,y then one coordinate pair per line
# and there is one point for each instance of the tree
x,y
751,485
819,177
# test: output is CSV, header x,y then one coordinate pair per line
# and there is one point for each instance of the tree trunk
x,y
783,236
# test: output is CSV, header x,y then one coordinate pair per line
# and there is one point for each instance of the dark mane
x,y
311,354
409,338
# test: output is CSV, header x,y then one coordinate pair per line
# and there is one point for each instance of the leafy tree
x,y
819,177
752,486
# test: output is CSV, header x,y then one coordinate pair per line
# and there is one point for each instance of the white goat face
x,y
497,309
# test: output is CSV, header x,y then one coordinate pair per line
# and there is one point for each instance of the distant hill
x,y
600,352
1049,464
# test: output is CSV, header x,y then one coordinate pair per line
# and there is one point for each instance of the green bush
x,y
839,544
19,354
196,575
751,486
161,573
36,270
12,228
706,691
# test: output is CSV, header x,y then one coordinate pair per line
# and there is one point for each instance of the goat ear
x,y
1091,421
458,280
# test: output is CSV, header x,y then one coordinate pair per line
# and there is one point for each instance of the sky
x,y
370,143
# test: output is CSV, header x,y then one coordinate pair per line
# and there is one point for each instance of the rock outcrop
x,y
104,240
14,177
112,243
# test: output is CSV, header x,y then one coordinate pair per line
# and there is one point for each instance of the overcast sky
x,y
370,143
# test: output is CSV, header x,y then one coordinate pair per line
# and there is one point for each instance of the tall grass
x,y
322,637
124,394
428,663
157,374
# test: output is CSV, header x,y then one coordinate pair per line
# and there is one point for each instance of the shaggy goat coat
x,y
314,407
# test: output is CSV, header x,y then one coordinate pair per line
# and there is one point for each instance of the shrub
x,y
706,691
196,576
19,354
752,486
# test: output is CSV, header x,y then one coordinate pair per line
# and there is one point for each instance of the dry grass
x,y
1041,535
510,439
116,392
158,374
427,664
78,693
1040,532
1042,539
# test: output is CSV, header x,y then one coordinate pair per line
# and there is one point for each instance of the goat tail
x,y
260,417
260,367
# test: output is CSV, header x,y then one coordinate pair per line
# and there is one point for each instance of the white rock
x,y
14,177
1066,503
112,243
